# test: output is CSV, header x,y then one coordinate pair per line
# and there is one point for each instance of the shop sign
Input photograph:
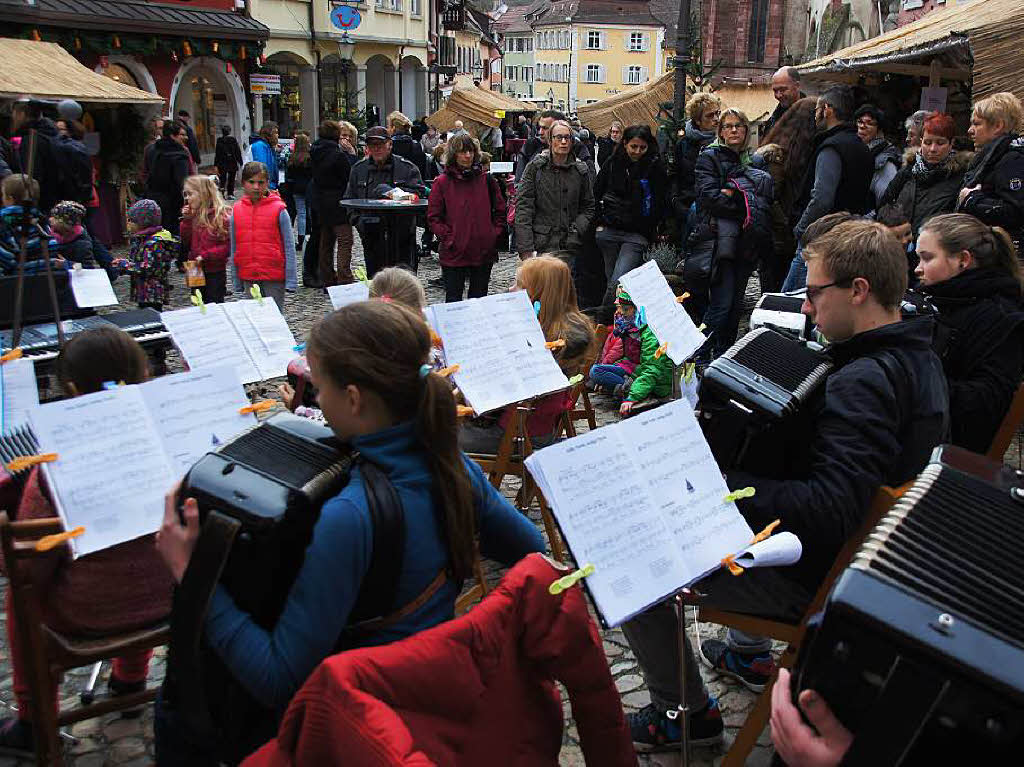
x,y
345,17
265,85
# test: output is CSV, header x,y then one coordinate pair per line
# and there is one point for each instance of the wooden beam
x,y
921,70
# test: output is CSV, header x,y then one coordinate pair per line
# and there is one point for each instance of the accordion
x,y
781,312
757,390
920,649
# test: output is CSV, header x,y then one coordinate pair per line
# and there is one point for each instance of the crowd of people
x,y
828,206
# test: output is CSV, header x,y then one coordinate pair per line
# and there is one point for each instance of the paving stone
x,y
121,728
636,699
618,668
629,682
95,759
611,649
127,749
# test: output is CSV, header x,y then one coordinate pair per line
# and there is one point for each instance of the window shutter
x,y
604,40
625,41
601,76
646,45
625,75
644,76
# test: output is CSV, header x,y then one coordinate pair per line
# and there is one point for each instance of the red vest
x,y
259,252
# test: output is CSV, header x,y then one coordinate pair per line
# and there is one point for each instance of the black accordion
x,y
259,498
754,401
920,650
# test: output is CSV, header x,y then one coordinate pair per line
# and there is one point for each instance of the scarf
x,y
623,327
927,173
983,159
696,135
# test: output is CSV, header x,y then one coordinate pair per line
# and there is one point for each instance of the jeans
x,y
728,283
622,251
227,181
215,289
455,278
269,289
797,277
653,635
300,214
607,376
342,234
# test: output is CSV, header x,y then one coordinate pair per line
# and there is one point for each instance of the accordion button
x,y
228,468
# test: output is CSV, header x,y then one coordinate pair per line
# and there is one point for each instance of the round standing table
x,y
391,213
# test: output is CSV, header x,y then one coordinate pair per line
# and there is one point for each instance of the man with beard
x,y
786,89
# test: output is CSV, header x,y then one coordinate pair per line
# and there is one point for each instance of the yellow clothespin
x,y
256,293
680,299
13,354
462,411
360,274
730,561
689,370
23,462
570,580
700,328
448,371
556,344
576,379
197,300
48,542
258,407
661,350
743,492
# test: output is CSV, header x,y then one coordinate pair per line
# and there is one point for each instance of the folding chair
x,y
1011,422
49,654
475,593
792,634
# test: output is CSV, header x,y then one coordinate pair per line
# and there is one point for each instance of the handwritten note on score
x,y
18,393
647,287
499,347
643,501
343,295
120,450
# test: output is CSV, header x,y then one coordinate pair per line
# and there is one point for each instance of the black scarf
x,y
926,173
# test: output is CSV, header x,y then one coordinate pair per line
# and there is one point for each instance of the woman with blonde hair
x,y
205,219
702,112
993,187
970,271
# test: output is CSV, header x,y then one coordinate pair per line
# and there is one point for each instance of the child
x,y
621,353
73,242
16,189
122,588
262,247
204,227
369,361
652,377
152,251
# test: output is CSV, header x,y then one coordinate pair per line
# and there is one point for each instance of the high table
x,y
390,209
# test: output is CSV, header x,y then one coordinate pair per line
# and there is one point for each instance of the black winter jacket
x,y
620,194
885,407
168,169
999,169
720,216
688,148
370,181
227,154
331,170
47,166
405,146
922,195
984,354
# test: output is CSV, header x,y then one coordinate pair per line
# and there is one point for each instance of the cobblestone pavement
x,y
110,740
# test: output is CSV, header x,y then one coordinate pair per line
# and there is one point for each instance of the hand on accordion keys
x,y
175,540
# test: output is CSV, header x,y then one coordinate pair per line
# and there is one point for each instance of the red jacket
x,y
259,252
203,242
624,352
460,213
477,690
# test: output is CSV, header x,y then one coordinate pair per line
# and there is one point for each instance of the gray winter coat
x,y
366,181
554,205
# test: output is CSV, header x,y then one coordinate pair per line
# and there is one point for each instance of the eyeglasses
x,y
562,137
734,126
866,124
814,291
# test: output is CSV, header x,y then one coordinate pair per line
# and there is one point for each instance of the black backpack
x,y
75,170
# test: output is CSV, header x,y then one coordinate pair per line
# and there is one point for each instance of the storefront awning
x,y
140,17
48,72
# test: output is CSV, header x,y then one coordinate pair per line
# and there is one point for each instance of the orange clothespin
x,y
556,344
661,350
462,411
448,371
730,561
680,299
23,462
258,407
13,354
48,542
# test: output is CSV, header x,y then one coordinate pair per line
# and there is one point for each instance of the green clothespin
x,y
197,300
689,370
570,580
360,274
743,492
575,379
256,293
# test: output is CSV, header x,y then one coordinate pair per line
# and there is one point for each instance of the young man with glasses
x,y
883,409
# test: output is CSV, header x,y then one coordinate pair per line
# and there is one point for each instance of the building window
x,y
389,5
528,74
593,73
758,33
565,73
633,75
593,41
637,41
414,7
529,44
566,40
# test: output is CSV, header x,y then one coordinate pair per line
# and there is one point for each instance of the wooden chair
x,y
48,654
792,634
475,593
579,391
1011,422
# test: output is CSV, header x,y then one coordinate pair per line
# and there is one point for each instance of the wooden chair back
x,y
1011,422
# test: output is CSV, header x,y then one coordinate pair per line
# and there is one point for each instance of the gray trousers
x,y
269,289
762,592
622,251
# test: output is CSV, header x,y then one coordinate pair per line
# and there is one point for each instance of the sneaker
x,y
752,671
116,687
654,730
16,737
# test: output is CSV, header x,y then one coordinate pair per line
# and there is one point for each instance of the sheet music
x,y
499,347
111,473
774,551
19,394
92,288
343,295
647,287
196,412
275,347
210,340
642,501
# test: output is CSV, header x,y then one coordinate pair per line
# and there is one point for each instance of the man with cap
x,y
373,178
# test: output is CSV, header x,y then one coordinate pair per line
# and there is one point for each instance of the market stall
x,y
478,109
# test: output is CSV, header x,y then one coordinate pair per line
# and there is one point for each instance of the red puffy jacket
x,y
203,242
477,690
259,252
460,212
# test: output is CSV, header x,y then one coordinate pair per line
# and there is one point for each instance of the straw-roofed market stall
x,y
477,108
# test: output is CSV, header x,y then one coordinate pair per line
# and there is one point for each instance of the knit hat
x,y
144,214
68,213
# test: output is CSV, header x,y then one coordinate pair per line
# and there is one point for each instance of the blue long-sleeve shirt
x,y
284,225
272,665
264,153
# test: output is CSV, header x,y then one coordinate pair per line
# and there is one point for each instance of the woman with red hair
x,y
928,184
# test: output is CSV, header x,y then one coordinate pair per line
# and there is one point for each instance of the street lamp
x,y
346,49
568,78
682,57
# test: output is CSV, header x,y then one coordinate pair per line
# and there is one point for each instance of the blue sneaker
x,y
655,730
752,671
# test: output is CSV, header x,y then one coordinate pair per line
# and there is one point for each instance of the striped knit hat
x,y
145,214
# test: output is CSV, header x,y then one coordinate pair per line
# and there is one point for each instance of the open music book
x,y
644,501
647,287
343,295
19,394
120,450
250,335
498,345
